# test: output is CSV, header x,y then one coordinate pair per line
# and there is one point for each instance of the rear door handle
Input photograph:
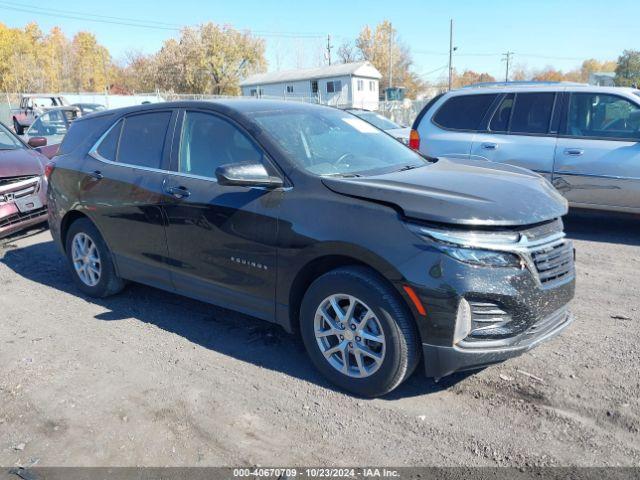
x,y
490,146
178,192
574,152
96,175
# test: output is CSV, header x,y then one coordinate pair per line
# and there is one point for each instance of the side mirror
x,y
36,142
246,175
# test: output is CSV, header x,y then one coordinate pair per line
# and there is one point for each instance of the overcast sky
x,y
541,33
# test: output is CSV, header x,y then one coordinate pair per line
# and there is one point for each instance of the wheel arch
x,y
330,260
66,222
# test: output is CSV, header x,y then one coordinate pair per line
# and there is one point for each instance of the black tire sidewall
x,y
109,283
388,309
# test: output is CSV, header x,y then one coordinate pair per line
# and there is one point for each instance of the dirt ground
x,y
148,378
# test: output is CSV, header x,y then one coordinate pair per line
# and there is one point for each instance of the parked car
x,y
383,123
22,185
311,218
87,108
584,139
46,133
31,107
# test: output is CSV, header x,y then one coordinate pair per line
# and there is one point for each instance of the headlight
x,y
473,247
482,257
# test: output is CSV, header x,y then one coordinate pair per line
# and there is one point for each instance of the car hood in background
x,y
465,192
21,162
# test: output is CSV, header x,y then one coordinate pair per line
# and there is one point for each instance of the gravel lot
x,y
150,378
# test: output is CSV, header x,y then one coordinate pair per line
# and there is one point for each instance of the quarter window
x,y
532,113
142,139
207,142
602,116
108,148
464,112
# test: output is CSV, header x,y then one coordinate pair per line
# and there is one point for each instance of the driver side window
x,y
208,141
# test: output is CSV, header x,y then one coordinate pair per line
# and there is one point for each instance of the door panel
x,y
124,198
598,157
221,239
598,172
534,153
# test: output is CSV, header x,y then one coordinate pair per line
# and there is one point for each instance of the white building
x,y
345,85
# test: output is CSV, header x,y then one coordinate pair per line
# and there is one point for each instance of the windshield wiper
x,y
343,175
408,167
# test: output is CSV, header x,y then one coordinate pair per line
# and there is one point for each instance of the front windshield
x,y
332,142
376,120
8,141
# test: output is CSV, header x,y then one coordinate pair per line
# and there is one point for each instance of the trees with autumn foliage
x,y
31,60
206,59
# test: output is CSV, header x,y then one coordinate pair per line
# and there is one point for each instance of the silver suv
x,y
584,139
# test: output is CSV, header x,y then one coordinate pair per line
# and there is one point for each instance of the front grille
x,y
554,262
17,218
18,187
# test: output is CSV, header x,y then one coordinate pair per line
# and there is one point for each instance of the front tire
x,y
90,260
358,331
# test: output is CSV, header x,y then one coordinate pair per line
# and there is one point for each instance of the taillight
x,y
414,140
48,168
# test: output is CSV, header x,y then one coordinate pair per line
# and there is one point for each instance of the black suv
x,y
310,217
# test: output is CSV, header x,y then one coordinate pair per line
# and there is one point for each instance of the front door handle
x,y
490,146
178,192
574,152
96,175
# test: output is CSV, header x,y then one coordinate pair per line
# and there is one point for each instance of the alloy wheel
x,y
86,259
349,335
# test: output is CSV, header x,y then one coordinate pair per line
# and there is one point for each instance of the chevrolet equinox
x,y
309,217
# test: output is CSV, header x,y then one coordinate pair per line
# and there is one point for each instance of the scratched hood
x,y
21,162
465,192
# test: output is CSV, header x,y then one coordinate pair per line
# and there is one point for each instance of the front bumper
x,y
440,361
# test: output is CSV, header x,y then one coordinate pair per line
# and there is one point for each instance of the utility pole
x,y
507,58
329,47
450,53
390,55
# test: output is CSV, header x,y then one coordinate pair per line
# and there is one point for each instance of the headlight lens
x,y
482,257
460,244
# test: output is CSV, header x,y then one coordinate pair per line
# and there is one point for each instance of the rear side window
x,y
142,139
532,113
500,120
464,112
84,131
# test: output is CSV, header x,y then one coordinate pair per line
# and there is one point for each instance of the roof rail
x,y
525,83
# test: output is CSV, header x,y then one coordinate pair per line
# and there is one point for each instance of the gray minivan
x,y
584,139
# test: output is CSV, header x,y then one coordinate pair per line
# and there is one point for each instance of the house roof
x,y
361,69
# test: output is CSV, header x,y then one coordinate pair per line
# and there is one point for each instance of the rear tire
x,y
90,260
380,352
17,127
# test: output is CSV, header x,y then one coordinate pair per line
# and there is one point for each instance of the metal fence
x,y
401,112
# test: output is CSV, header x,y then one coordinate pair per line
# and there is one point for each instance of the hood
x,y
465,192
21,162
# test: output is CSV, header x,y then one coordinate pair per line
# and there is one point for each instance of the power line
x,y
130,22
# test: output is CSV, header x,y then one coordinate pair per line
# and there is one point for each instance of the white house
x,y
345,85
